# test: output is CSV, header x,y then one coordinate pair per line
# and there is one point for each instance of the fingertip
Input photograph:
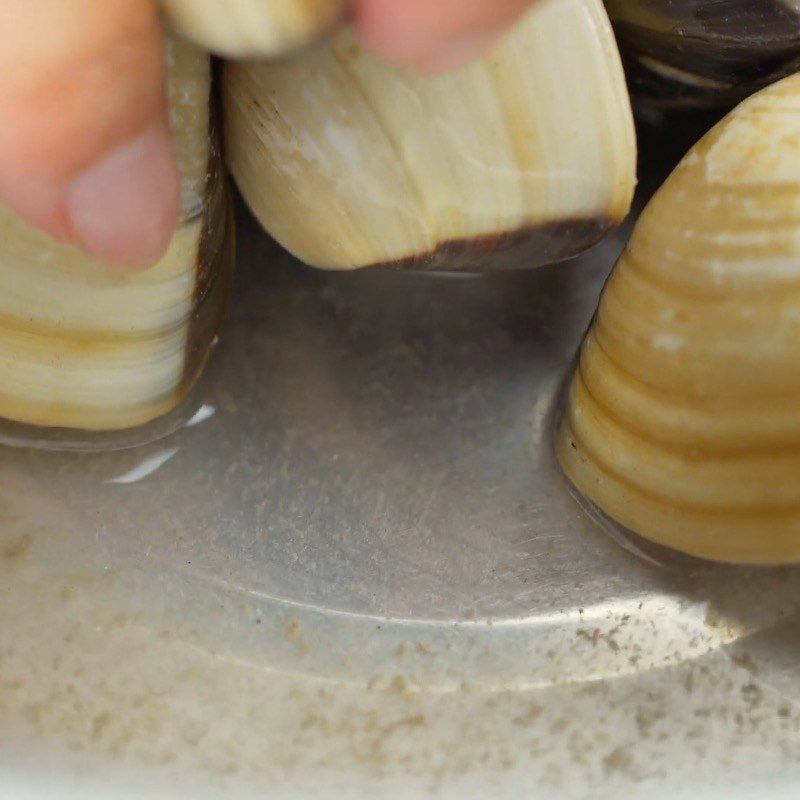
x,y
124,208
434,36
395,32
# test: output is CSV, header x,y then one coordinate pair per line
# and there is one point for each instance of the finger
x,y
85,148
439,35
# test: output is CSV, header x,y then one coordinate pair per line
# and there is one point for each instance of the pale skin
x,y
85,149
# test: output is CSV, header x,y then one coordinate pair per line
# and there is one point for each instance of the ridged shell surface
x,y
89,347
350,162
683,419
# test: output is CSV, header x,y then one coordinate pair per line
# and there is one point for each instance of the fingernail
x,y
457,53
124,208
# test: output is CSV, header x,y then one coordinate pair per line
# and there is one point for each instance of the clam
x,y
350,162
706,52
88,347
253,27
683,418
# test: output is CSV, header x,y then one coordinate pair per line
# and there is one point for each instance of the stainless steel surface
x,y
358,571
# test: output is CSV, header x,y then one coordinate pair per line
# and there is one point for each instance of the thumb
x,y
85,147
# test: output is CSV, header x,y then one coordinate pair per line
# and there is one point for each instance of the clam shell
x,y
706,52
260,28
683,418
350,162
88,347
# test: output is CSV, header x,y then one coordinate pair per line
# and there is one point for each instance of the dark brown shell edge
x,y
535,245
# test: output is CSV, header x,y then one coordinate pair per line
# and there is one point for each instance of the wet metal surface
x,y
358,561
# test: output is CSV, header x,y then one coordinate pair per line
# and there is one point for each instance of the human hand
x,y
434,34
85,147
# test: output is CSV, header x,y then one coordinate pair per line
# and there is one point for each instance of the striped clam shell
x,y
683,418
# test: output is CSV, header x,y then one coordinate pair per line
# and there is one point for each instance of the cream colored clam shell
x,y
350,162
683,421
84,345
253,27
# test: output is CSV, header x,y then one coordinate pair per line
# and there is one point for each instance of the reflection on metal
x,y
146,468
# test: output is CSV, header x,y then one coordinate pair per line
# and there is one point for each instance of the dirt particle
x,y
618,760
714,619
530,716
645,720
294,633
17,550
751,693
589,636
397,685
412,721
33,713
745,661
560,725
99,724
